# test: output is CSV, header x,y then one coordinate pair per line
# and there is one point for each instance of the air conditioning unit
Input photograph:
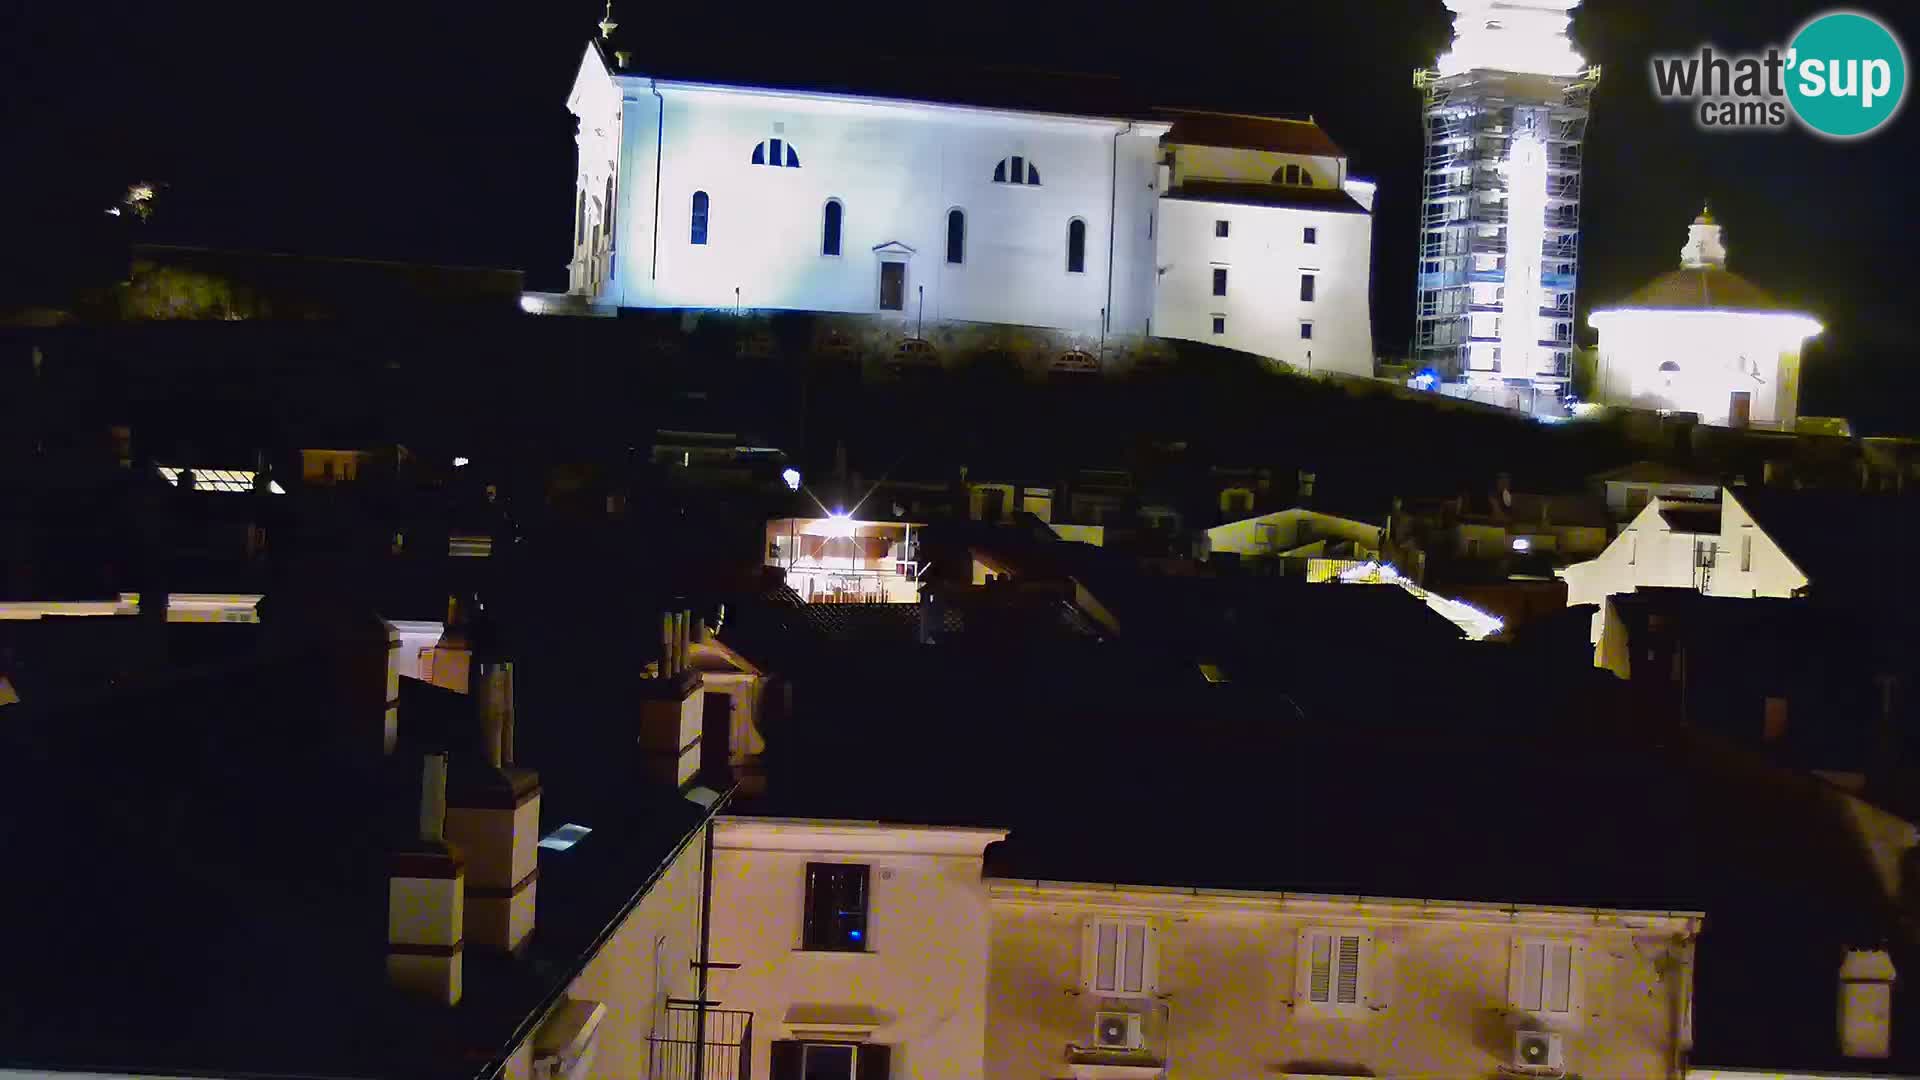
x,y
1539,1051
1118,1031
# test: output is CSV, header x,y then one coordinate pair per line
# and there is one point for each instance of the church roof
x,y
1241,132
1249,193
1703,288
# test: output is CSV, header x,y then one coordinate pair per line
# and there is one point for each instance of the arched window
x,y
1306,178
1076,246
1016,170
776,152
699,217
956,236
830,228
1293,175
580,218
611,234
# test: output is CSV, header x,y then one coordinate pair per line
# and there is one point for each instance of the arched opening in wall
x,y
1016,170
830,228
776,152
699,231
1075,362
1293,175
1669,371
956,236
580,217
612,234
1076,246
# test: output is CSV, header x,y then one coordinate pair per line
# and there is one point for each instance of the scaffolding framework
x,y
1465,224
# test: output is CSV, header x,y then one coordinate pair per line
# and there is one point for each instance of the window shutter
x,y
1133,952
1319,959
1101,956
785,1060
1557,997
1346,989
872,1061
1529,963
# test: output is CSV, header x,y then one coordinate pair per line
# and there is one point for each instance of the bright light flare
x,y
460,462
839,524
791,477
1525,36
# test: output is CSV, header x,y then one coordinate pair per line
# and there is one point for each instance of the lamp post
x,y
920,321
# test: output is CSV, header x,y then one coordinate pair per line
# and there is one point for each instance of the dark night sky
x,y
438,130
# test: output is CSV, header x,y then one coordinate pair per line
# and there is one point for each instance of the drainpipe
x,y
659,146
706,942
1113,225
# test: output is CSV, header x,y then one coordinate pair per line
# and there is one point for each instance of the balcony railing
x,y
678,1053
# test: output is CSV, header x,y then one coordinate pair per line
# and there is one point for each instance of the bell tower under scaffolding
x,y
1506,120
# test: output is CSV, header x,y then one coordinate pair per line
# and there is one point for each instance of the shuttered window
x,y
1333,975
792,1059
1543,979
1119,958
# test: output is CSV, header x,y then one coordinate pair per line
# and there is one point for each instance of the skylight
x,y
228,480
564,837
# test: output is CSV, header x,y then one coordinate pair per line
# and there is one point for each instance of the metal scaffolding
x,y
1465,221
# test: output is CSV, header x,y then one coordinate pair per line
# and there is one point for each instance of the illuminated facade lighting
x,y
1506,115
1525,36
1477,625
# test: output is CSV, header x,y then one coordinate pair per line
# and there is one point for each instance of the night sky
x,y
438,131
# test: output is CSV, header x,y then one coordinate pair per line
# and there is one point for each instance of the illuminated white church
x,y
1702,339
1245,232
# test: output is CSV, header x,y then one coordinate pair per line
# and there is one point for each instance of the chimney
x,y
671,707
1866,1003
493,809
426,884
452,655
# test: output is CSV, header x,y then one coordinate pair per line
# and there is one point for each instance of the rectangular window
x,y
1219,228
1219,281
1306,331
1332,970
836,911
1310,236
1118,958
791,1059
1306,288
1746,551
1542,977
1219,324
773,152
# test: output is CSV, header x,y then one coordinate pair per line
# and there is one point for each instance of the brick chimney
x,y
493,808
426,882
671,706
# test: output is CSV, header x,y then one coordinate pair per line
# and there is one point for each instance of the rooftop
x,y
1332,200
1703,288
1244,132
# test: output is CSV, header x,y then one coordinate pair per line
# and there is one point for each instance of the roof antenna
x,y
607,25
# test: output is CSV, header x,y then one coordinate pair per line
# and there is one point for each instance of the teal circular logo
x,y
1847,74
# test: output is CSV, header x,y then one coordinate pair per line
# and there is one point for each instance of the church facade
x,y
1243,232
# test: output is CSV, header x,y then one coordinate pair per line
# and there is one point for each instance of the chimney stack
x,y
426,884
1866,1003
493,813
671,706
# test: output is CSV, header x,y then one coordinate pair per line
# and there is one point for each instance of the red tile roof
x,y
1702,289
1241,132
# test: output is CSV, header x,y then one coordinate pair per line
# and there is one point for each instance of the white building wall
x,y
897,169
924,976
1265,255
1716,352
1434,985
1650,554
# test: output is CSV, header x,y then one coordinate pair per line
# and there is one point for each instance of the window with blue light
x,y
776,152
699,217
835,919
